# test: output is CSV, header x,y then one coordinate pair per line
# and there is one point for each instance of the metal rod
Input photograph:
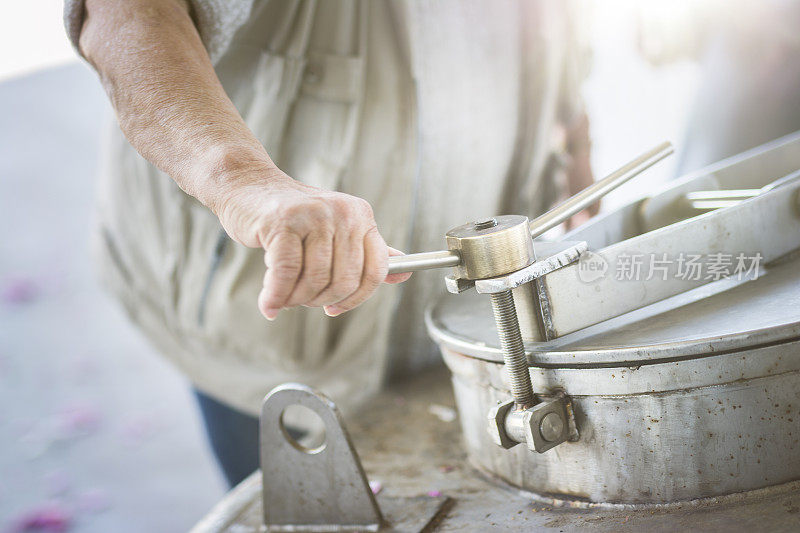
x,y
423,261
710,205
549,220
724,194
596,191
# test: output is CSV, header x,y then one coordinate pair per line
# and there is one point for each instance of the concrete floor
x,y
95,428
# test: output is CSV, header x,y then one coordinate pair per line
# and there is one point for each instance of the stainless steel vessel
x,y
698,398
679,388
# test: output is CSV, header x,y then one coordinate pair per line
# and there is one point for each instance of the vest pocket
x,y
321,133
305,111
333,78
268,103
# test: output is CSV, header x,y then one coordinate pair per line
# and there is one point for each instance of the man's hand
x,y
321,248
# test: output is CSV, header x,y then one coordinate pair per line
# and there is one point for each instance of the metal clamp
x,y
454,256
551,257
542,427
496,255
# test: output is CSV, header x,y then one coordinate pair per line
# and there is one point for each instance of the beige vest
x,y
437,113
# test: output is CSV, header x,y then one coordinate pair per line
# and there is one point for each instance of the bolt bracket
x,y
541,427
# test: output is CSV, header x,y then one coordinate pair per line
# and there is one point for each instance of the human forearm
x,y
168,100
321,248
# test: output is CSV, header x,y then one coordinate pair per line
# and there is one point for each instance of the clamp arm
x,y
547,221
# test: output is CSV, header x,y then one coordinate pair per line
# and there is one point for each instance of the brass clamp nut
x,y
492,247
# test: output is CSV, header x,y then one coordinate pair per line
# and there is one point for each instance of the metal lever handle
x,y
549,220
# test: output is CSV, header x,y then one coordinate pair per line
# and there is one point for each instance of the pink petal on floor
x,y
138,429
18,291
78,420
434,493
49,518
84,369
93,501
375,487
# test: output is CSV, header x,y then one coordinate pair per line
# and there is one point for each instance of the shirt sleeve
x,y
217,21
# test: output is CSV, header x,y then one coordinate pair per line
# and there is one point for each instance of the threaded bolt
x,y
505,316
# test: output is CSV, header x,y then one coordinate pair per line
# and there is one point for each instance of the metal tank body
x,y
698,397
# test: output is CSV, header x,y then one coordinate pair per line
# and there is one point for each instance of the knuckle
x,y
347,306
374,276
341,208
325,229
320,212
272,234
319,280
286,270
372,228
374,238
294,219
351,206
352,303
349,286
365,208
343,288
341,200
306,216
270,301
288,213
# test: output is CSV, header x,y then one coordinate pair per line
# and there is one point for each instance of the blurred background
x,y
97,433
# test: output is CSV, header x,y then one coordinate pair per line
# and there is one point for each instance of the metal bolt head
x,y
551,427
497,425
485,223
543,431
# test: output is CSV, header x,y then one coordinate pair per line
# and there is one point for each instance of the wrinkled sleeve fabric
x,y
217,21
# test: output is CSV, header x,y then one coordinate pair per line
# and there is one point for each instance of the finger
x,y
348,262
376,266
284,260
317,266
396,278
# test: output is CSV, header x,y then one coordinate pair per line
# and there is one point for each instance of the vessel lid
x,y
724,316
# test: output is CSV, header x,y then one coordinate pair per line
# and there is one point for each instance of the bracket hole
x,y
303,428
